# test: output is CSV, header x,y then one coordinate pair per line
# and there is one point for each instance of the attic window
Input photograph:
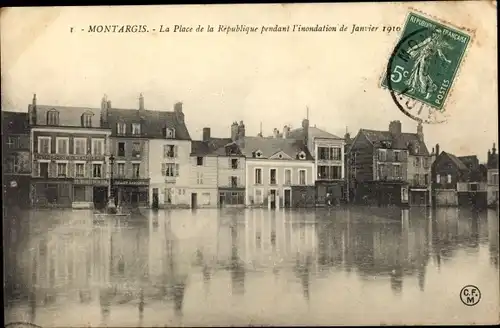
x,y
169,133
302,155
52,117
280,156
386,144
87,119
258,154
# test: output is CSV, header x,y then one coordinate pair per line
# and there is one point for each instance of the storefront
x,y
231,197
56,192
131,192
85,195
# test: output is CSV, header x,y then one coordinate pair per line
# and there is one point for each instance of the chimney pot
x,y
206,134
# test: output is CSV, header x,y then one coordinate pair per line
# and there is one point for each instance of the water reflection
x,y
155,259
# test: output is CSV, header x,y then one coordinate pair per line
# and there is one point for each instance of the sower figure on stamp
x,y
423,53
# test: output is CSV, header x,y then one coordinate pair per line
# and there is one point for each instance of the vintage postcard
x,y
250,165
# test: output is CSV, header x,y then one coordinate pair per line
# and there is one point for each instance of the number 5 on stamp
x,y
426,60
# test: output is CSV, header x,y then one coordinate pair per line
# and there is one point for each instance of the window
x,y
199,178
417,161
205,198
87,120
167,195
97,170
288,177
169,151
44,145
302,155
169,133
120,170
62,169
272,177
12,164
426,179
80,146
62,146
397,171
232,198
494,178
199,160
97,147
79,170
258,176
52,117
234,182
234,163
13,142
382,155
382,174
397,156
170,169
416,180
136,128
121,149
136,149
438,178
79,193
448,180
258,196
43,169
330,172
302,177
426,162
121,128
136,170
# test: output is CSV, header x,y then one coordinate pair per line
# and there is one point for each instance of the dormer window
x,y
302,155
136,128
52,117
121,128
87,119
169,133
258,154
386,144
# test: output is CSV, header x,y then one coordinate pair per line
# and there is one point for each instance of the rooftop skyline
x,y
258,78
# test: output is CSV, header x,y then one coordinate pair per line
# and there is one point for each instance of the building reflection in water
x,y
151,260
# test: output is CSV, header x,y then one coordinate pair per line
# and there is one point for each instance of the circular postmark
x,y
470,295
417,110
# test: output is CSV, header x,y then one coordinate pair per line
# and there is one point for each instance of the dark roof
x,y
214,146
69,116
272,146
312,132
469,161
400,141
493,161
153,122
460,165
15,122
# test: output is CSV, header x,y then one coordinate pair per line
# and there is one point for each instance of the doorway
x,y
273,198
51,193
194,200
287,201
155,203
100,197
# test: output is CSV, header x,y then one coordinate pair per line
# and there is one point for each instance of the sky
x,y
268,78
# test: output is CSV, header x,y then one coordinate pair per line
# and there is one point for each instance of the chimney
x,y
32,111
286,130
420,132
305,128
276,133
141,102
206,134
432,152
105,105
241,130
395,127
234,131
493,150
437,150
178,112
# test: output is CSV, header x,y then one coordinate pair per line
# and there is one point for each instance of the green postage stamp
x,y
425,62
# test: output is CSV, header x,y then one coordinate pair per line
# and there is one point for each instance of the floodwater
x,y
341,266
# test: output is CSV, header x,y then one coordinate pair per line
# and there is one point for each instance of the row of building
x,y
56,156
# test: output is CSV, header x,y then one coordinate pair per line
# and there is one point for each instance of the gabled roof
x,y
153,122
271,146
312,132
69,116
15,122
400,141
459,164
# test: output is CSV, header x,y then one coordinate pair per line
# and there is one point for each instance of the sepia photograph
x,y
320,164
